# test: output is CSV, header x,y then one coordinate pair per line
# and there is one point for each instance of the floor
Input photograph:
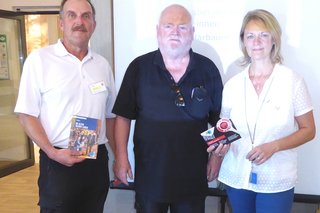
x,y
19,194
19,191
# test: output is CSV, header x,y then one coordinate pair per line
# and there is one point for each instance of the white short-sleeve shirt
x,y
55,85
284,97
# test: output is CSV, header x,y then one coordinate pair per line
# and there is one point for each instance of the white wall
x,y
8,4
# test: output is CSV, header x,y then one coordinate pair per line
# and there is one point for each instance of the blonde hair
x,y
272,25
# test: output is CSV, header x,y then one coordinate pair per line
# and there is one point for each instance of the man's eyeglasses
x,y
179,100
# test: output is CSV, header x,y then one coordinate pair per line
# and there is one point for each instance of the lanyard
x,y
253,179
253,134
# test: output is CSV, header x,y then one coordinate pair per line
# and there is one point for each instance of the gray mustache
x,y
79,28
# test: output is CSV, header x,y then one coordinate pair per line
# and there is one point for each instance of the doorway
x,y
19,35
41,30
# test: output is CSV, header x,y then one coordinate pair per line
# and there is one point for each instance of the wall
x,y
7,5
217,26
102,38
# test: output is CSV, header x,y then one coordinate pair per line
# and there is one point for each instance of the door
x,y
16,150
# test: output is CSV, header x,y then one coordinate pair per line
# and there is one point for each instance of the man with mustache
x,y
58,82
172,93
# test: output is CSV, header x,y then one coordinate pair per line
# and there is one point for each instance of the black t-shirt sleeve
x,y
125,104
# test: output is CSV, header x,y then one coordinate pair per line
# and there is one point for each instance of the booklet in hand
x,y
223,133
84,133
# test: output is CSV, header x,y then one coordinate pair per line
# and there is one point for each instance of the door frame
x,y
18,165
19,16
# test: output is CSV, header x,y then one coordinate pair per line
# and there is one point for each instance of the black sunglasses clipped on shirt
x,y
179,100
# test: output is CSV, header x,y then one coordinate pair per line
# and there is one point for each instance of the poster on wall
x,y
4,67
217,28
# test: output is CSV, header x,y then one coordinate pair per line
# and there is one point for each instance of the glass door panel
x,y
16,150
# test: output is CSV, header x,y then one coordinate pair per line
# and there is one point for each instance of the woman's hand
x,y
262,153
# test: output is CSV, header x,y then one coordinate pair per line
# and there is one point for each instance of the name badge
x,y
253,178
98,87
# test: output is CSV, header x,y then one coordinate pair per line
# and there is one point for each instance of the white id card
x,y
97,87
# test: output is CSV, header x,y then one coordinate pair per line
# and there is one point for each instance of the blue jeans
x,y
245,201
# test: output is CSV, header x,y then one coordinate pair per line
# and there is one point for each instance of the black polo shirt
x,y
170,154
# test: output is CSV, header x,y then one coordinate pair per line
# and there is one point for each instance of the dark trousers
x,y
193,205
82,188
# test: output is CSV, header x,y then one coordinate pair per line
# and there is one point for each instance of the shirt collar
x,y
62,51
158,60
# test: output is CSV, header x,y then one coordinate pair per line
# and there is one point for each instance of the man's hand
x,y
215,160
122,170
213,167
66,157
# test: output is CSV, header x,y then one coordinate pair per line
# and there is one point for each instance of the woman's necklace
x,y
259,80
